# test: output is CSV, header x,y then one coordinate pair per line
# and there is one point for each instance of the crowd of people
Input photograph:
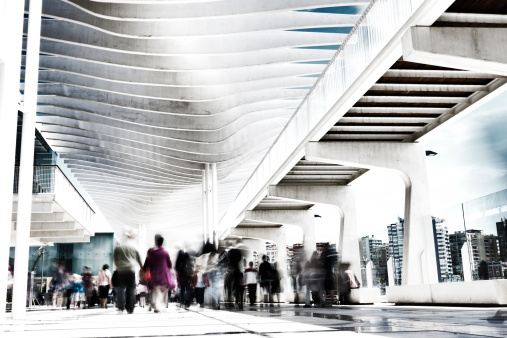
x,y
223,272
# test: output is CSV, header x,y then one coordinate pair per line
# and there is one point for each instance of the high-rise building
x,y
442,249
491,248
501,230
396,232
377,252
368,245
482,248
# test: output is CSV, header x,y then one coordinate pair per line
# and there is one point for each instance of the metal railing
x,y
51,180
379,23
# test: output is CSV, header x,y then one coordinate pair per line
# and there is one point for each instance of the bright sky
x,y
471,162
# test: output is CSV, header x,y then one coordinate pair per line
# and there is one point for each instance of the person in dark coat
x,y
265,278
235,259
184,272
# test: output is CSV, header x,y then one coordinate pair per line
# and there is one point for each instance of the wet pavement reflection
x,y
394,320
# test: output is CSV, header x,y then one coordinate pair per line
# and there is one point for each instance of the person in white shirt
x,y
104,282
251,282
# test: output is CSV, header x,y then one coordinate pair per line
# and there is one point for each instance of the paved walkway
x,y
282,321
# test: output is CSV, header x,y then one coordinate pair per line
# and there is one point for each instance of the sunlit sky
x,y
471,162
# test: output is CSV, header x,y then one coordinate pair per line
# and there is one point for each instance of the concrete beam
x,y
477,49
303,219
343,198
408,160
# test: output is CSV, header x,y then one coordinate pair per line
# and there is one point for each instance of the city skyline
x,y
471,162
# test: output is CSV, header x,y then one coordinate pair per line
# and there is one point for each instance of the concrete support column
x,y
409,161
205,203
214,204
210,202
300,218
275,234
26,162
340,196
142,241
11,32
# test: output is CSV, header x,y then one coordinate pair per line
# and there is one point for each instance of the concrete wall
x,y
488,292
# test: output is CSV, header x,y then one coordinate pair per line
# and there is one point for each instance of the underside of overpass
x,y
149,102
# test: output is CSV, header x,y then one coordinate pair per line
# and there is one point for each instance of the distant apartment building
x,y
395,232
501,230
491,251
482,248
368,245
442,249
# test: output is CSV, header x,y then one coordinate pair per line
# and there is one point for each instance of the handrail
x,y
51,188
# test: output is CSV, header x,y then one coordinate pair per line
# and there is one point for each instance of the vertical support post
x,y
205,207
142,240
26,162
209,201
214,187
11,33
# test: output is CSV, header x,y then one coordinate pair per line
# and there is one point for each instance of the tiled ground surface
x,y
282,321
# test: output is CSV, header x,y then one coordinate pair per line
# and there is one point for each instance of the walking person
x,y
142,291
316,280
78,295
104,281
126,258
235,268
159,264
265,279
347,281
199,283
88,286
184,273
251,282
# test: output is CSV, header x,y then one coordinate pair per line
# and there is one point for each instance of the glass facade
x,y
480,222
75,256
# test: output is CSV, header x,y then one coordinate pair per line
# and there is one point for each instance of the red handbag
x,y
147,273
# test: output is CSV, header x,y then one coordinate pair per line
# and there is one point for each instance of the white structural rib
x,y
136,96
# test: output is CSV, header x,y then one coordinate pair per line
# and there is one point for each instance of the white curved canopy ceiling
x,y
137,95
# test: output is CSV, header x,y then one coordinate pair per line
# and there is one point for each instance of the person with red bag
x,y
158,263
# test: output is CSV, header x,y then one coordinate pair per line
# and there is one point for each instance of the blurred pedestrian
x,y
316,280
142,291
265,279
184,273
347,281
104,281
78,295
126,257
328,258
159,264
88,286
58,285
235,268
214,272
251,282
199,283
